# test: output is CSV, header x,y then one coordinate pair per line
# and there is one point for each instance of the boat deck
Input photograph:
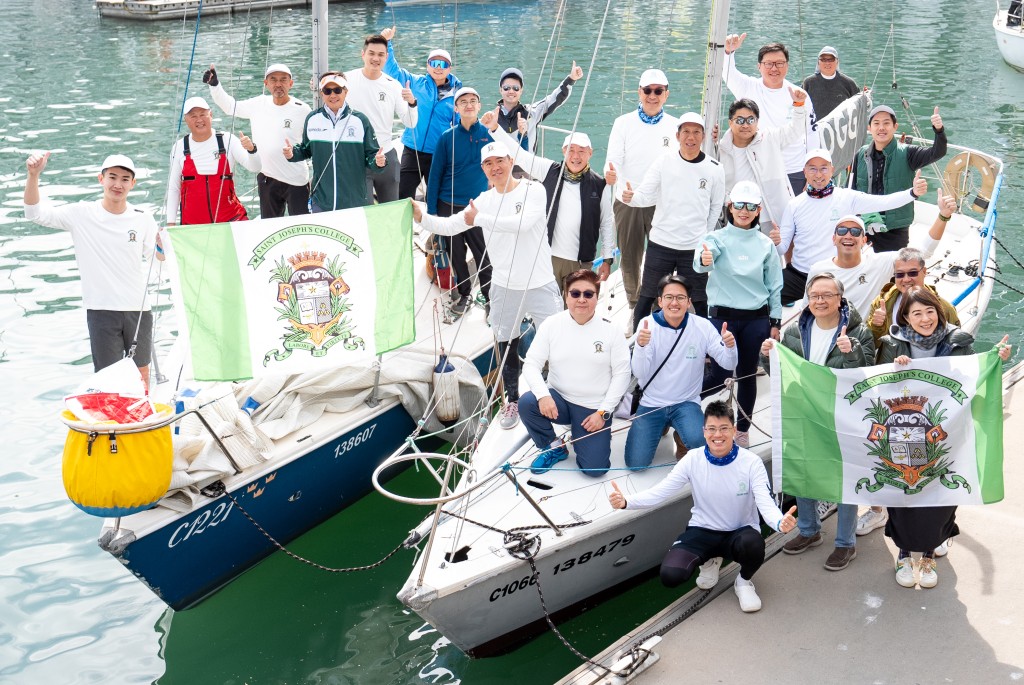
x,y
858,625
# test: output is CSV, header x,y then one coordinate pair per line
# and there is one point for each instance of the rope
x,y
191,61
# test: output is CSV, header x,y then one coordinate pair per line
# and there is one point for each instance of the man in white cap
x,y
434,93
637,139
579,212
200,181
810,219
886,165
342,145
687,189
382,99
276,119
511,215
455,179
771,93
114,242
511,111
828,87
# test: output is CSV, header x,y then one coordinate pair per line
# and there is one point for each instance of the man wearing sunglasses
x,y
342,145
434,93
637,139
510,109
828,87
772,93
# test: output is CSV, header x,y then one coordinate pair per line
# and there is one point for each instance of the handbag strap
x,y
679,336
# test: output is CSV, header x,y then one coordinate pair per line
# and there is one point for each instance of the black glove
x,y
210,77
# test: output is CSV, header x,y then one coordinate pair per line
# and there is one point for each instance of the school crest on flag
x,y
926,434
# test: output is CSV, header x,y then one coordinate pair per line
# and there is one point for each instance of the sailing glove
x,y
210,77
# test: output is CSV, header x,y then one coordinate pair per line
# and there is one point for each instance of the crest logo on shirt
x,y
834,216
691,352
287,123
598,347
380,96
132,235
519,207
664,142
863,279
703,184
351,131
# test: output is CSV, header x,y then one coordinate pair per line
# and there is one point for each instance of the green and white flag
x,y
926,434
295,294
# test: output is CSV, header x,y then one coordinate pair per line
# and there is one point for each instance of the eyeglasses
x,y
675,298
333,91
743,121
913,273
468,101
826,58
719,429
748,206
816,169
585,294
822,297
777,65
855,231
512,88
656,91
438,64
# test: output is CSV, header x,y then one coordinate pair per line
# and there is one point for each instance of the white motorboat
x,y
1010,35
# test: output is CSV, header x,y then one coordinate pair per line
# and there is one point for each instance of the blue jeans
x,y
750,334
593,450
809,522
645,433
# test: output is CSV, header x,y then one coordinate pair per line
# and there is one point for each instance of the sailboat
x,y
1009,30
507,552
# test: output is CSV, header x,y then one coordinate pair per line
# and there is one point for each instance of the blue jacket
x,y
455,173
436,110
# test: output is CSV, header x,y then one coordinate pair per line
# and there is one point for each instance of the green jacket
x,y
797,337
957,343
888,297
341,151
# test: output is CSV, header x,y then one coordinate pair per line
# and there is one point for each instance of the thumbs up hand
x,y
289,150
788,521
920,185
610,177
627,194
489,120
521,124
643,336
407,94
936,120
775,235
843,342
246,142
728,339
469,214
706,258
379,159
615,497
878,316
577,72
1004,347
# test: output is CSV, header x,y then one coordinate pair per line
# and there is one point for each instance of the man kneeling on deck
x,y
722,524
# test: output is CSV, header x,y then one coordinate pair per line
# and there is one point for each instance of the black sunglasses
x,y
333,91
856,231
913,273
512,87
657,91
585,294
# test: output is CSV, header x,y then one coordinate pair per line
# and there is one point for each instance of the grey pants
x,y
564,267
384,184
632,226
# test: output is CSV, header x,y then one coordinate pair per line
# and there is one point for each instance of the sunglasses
x,y
749,206
333,91
512,88
856,231
913,273
742,121
585,294
438,64
656,91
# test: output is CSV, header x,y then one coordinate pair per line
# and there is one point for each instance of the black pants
x,y
794,282
891,241
697,545
473,239
750,332
658,263
276,195
415,168
511,369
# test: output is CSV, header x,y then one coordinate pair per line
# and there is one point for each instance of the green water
x,y
85,87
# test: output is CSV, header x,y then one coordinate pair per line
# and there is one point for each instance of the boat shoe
x,y
749,601
708,577
548,458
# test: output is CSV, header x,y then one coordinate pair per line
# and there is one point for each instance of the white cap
x,y
851,217
653,77
337,79
194,102
283,68
439,54
465,90
745,191
818,152
492,150
829,50
690,118
581,139
119,161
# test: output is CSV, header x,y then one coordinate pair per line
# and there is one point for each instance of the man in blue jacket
x,y
434,93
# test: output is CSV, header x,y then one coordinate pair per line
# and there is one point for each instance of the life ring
x,y
953,179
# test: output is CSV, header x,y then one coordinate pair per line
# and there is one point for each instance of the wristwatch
x,y
606,415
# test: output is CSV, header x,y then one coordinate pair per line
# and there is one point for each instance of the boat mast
x,y
713,68
319,8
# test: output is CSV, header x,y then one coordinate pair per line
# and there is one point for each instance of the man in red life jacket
x,y
200,185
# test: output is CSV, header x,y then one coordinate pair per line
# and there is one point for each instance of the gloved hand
x,y
210,77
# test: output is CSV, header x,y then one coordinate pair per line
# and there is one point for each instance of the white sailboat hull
x,y
1010,41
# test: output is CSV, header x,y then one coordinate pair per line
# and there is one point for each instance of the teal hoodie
x,y
746,272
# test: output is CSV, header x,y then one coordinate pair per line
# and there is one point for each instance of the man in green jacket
x,y
342,145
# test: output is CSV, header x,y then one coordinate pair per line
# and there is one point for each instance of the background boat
x,y
1010,37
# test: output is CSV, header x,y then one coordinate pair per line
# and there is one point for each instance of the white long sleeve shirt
x,y
565,242
515,231
725,498
681,378
588,364
272,125
112,250
633,146
809,222
776,106
688,198
381,101
204,155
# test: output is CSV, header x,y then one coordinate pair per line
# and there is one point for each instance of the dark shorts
x,y
111,335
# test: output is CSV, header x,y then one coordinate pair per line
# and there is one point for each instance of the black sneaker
x,y
460,307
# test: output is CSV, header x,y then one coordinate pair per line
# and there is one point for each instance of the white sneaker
x,y
905,572
508,417
929,578
749,601
742,439
870,520
943,549
708,577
